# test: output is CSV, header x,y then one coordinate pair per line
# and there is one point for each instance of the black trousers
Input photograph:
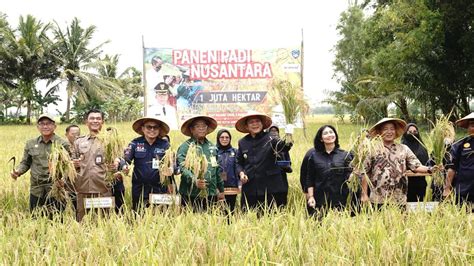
x,y
262,202
198,204
51,205
416,188
119,200
230,202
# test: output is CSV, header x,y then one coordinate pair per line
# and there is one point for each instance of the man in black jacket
x,y
262,182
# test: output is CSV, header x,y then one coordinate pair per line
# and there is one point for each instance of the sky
x,y
206,24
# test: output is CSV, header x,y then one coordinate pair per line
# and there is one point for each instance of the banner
x,y
223,84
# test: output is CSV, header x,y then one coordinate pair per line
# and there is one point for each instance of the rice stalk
x,y
113,147
61,171
197,163
166,167
363,148
443,129
293,103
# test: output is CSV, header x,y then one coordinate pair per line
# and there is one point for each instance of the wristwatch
x,y
430,170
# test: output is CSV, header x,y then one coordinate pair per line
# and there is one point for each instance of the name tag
x,y
422,206
164,199
98,159
155,164
99,203
213,161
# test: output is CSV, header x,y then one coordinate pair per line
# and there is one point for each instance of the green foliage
x,y
27,55
407,53
77,58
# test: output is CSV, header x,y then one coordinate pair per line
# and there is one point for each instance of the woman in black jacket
x,y
328,171
416,184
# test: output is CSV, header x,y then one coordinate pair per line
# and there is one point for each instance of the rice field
x,y
180,237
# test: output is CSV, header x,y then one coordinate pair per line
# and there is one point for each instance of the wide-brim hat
x,y
186,126
400,126
464,122
137,125
241,124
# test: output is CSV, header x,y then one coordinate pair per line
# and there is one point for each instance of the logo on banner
x,y
295,53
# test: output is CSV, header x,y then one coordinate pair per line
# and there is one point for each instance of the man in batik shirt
x,y
386,168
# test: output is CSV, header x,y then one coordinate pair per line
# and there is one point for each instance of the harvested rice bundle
x,y
113,148
362,149
166,167
436,144
293,102
197,163
61,171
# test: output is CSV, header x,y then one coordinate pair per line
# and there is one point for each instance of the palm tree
x,y
130,80
125,105
77,59
27,55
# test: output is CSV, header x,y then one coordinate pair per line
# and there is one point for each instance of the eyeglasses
x,y
224,137
149,127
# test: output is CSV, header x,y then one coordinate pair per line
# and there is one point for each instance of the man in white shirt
x,y
160,107
154,75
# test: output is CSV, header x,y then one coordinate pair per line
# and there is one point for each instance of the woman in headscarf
x,y
226,158
283,161
416,184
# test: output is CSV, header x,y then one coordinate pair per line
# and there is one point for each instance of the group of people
x,y
326,168
257,169
250,169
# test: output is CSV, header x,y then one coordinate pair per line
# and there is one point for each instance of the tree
x,y
125,104
27,58
77,59
409,53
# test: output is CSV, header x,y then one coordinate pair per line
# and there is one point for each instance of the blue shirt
x,y
462,154
142,154
226,158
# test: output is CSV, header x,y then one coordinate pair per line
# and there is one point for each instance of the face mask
x,y
414,137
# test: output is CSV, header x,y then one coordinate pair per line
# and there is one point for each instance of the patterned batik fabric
x,y
386,170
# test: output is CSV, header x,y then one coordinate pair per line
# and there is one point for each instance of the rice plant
x,y
197,163
61,172
169,237
442,130
292,100
362,149
113,147
166,167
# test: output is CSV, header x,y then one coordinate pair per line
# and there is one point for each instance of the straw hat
x,y
241,124
137,125
464,122
186,126
400,126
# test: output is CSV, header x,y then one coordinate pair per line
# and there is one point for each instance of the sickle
x,y
14,162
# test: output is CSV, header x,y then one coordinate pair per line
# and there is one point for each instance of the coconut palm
x,y
126,105
27,55
130,80
78,59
